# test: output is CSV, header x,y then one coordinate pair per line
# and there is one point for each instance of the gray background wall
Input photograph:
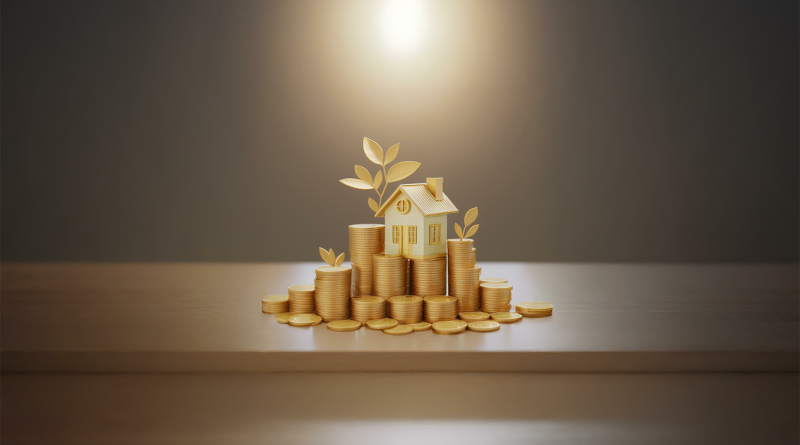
x,y
217,131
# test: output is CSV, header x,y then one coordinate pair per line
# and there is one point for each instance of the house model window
x,y
435,235
412,234
403,206
396,233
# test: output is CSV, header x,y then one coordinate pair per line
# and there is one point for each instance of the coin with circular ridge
x,y
449,327
382,323
305,320
483,326
535,306
506,317
275,298
344,325
421,326
302,288
474,316
284,317
399,330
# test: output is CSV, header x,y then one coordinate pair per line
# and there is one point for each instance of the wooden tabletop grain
x,y
207,317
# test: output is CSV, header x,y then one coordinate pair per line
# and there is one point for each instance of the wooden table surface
x,y
207,317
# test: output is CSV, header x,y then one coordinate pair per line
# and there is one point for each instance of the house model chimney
x,y
435,185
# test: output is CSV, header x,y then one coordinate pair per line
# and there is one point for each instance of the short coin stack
x,y
368,308
389,275
429,277
275,304
332,293
406,309
534,309
463,276
365,241
301,299
440,308
496,297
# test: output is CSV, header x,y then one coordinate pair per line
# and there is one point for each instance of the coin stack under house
x,y
366,240
440,308
463,275
496,297
368,308
301,299
406,309
389,275
332,292
429,277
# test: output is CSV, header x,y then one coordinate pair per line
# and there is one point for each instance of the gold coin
x,y
305,320
449,327
440,299
275,298
492,286
302,288
506,317
483,326
493,280
399,330
474,316
535,306
284,317
344,325
422,326
382,323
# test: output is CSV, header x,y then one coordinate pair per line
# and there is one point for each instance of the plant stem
x,y
385,183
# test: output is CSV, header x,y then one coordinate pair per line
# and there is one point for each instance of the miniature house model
x,y
416,220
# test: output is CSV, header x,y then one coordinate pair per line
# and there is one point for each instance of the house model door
x,y
405,245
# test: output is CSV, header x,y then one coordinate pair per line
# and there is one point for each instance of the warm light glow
x,y
403,23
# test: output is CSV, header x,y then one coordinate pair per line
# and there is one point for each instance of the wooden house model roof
x,y
423,198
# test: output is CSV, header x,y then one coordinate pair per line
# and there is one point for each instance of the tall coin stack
x,y
440,308
406,309
389,275
429,277
463,276
365,241
332,293
496,297
368,308
301,299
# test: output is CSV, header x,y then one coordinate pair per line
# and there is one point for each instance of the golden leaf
x,y
373,150
459,232
401,170
325,255
392,153
472,230
356,183
340,259
470,217
373,205
362,173
378,180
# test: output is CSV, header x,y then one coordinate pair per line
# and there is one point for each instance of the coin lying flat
x,y
344,325
305,320
284,317
483,326
399,330
506,317
421,326
449,327
381,324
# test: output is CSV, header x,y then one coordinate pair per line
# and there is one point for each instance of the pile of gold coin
x,y
366,240
440,308
463,276
389,275
429,277
496,297
332,293
275,304
406,309
368,308
449,327
534,309
301,299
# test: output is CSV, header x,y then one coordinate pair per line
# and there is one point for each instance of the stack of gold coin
x,y
429,277
496,297
368,308
332,293
406,309
301,299
440,308
275,304
449,327
463,276
365,241
534,309
389,275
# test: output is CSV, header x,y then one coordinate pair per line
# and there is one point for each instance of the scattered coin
x,y
483,326
344,325
399,330
381,324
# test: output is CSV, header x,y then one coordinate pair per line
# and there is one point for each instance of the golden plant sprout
x,y
329,257
365,181
469,218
